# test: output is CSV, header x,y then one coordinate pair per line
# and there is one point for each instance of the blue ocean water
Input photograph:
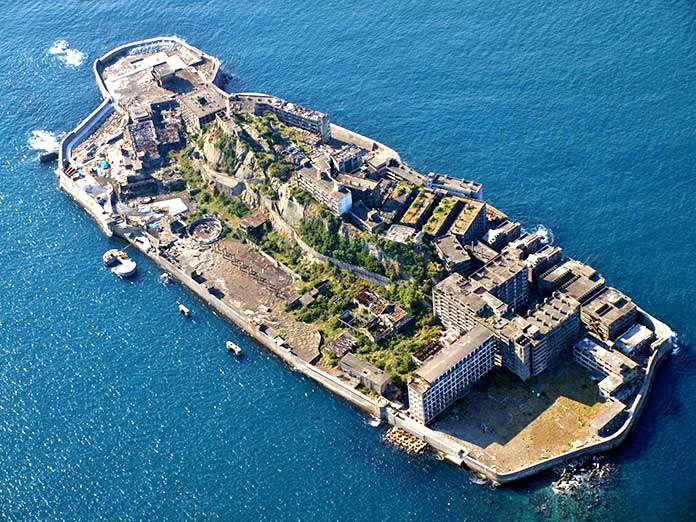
x,y
577,115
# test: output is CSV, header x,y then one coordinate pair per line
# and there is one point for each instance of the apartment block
x,y
609,314
322,187
449,374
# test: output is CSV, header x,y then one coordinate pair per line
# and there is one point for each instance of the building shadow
x,y
501,406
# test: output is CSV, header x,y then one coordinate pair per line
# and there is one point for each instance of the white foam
x,y
66,54
44,140
59,47
544,233
676,345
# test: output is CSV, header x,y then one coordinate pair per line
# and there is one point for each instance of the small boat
x,y
125,268
233,347
374,422
184,311
166,278
112,257
120,263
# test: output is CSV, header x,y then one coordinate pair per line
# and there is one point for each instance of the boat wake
x,y
67,55
45,141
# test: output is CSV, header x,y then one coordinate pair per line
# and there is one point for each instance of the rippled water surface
x,y
576,115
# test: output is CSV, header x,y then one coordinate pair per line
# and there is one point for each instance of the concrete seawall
x,y
87,202
363,402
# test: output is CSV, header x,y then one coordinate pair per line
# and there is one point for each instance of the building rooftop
x,y
371,372
295,108
420,205
499,270
579,280
451,355
552,312
609,305
203,102
330,187
451,251
454,185
343,344
619,362
470,209
356,182
400,234
635,336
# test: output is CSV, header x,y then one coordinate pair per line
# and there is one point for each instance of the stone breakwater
x,y
451,448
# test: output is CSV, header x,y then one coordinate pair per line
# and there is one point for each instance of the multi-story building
x,y
558,321
449,374
142,138
458,308
322,187
481,254
202,107
471,223
452,253
635,340
297,116
362,189
540,261
497,238
616,368
505,276
348,158
609,313
577,279
454,186
529,345
420,209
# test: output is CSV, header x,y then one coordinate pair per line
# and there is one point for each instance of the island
x,y
407,294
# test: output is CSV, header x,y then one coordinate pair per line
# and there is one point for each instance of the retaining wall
x,y
360,272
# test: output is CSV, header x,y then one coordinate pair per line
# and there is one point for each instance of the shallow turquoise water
x,y
576,115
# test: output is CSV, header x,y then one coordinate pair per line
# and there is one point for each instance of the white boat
x,y
184,311
125,268
374,422
166,278
112,257
233,347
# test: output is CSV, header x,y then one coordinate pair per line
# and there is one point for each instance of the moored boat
x,y
111,257
125,268
233,347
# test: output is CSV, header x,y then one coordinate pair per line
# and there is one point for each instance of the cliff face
x,y
227,151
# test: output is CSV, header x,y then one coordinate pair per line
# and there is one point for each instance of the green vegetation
x,y
323,236
209,201
301,196
417,208
279,248
393,355
440,214
402,187
227,145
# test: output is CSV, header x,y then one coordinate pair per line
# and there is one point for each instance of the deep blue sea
x,y
577,115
